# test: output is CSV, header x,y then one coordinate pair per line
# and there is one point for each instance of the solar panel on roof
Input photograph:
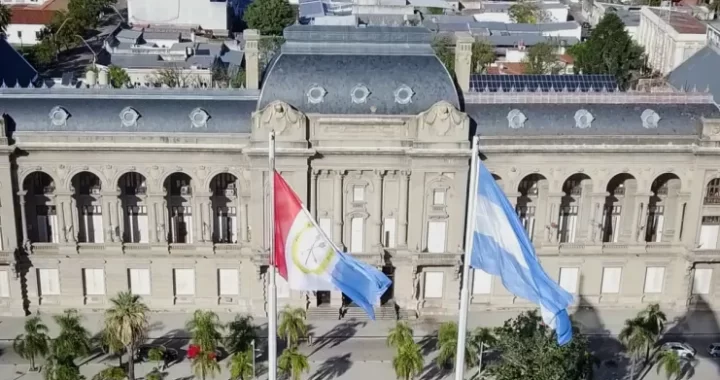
x,y
542,83
310,9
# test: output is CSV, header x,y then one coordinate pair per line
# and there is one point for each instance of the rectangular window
x,y
654,278
4,284
94,282
184,282
326,227
439,197
229,282
656,222
702,280
47,225
359,194
140,281
49,282
482,282
527,218
611,223
433,287
283,288
568,224
91,228
357,227
389,232
226,229
436,237
569,279
136,224
611,280
181,224
709,236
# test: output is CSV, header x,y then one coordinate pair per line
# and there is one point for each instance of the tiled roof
x,y
683,23
31,16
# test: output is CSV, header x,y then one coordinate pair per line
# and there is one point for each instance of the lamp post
x,y
253,356
89,48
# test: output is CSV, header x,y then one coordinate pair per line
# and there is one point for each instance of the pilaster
x,y
553,216
376,214
402,236
338,208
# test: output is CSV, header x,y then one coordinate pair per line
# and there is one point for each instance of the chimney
x,y
252,70
463,55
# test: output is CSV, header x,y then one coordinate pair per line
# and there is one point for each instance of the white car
x,y
683,350
714,350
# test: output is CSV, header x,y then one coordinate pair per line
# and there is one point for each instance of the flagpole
x,y
272,289
465,292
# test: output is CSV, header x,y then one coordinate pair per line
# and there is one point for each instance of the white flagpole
x,y
272,289
465,292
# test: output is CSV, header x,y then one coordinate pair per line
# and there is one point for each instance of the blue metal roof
x,y
14,69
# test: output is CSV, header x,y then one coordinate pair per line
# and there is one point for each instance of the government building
x,y
164,192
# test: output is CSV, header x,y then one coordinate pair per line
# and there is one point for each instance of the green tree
x,y
156,355
5,16
34,342
172,77
447,346
269,17
641,334
118,76
241,334
483,54
241,365
237,80
670,363
609,50
45,51
72,343
292,325
541,59
528,350
268,47
88,11
408,361
443,50
127,321
205,328
527,12
155,375
111,345
399,335
111,373
205,364
293,363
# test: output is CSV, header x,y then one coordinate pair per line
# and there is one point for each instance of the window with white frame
x,y
91,229
569,279
139,281
184,282
709,232
326,226
654,278
226,229
439,197
436,236
136,224
389,232
49,282
357,232
433,287
482,282
94,281
611,280
702,280
283,288
358,193
4,284
229,281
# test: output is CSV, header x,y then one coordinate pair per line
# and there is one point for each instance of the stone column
x,y
153,223
23,217
597,202
337,208
196,202
240,214
107,204
252,70
403,209
119,220
463,59
212,221
313,193
376,225
636,234
553,217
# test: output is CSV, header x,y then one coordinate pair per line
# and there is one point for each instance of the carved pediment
x,y
442,118
281,117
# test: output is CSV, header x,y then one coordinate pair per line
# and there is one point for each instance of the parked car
x,y
714,350
683,350
143,352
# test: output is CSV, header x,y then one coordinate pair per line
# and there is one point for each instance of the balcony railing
x,y
712,200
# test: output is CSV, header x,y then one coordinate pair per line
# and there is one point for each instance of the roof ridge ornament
x,y
2,84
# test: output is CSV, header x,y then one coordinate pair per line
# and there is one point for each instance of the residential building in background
x,y
669,37
29,18
163,192
695,72
211,15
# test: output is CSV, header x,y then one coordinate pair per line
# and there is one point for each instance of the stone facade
x,y
164,192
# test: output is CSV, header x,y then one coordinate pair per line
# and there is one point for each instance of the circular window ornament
x,y
583,119
129,117
404,94
650,119
359,94
199,118
59,116
516,119
316,94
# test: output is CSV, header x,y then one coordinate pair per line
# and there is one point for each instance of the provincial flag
x,y
502,248
309,261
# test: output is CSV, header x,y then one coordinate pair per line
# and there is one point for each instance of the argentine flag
x,y
502,248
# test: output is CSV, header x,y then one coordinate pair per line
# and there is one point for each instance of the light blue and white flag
x,y
502,248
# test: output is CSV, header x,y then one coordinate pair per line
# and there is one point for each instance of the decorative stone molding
x,y
443,117
359,94
129,117
403,94
583,119
281,117
316,94
650,119
516,119
58,116
199,118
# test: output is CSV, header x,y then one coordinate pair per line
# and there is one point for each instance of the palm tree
x,y
447,346
241,365
399,335
34,342
671,363
127,322
74,340
111,373
5,16
112,345
205,328
292,325
241,334
654,318
408,361
205,364
156,355
293,363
